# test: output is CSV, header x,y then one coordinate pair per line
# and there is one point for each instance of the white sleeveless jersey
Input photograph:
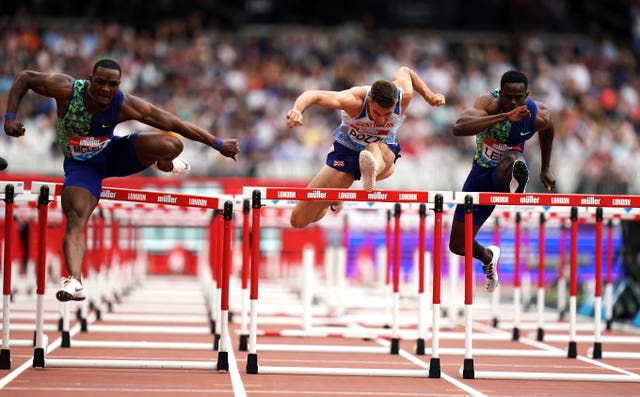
x,y
356,133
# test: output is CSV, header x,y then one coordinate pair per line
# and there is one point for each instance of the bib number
x,y
86,147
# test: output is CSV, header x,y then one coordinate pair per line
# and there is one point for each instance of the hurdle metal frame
x,y
597,202
46,192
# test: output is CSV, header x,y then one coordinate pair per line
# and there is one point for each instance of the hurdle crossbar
x,y
46,192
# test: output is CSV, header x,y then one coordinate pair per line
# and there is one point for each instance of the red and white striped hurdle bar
x,y
288,196
142,196
574,201
45,193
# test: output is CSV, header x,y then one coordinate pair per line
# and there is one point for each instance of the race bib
x,y
366,138
85,147
492,151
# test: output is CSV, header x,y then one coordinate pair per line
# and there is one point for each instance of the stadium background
x,y
236,67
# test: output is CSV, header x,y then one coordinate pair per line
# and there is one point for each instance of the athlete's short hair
x,y
107,64
514,76
384,93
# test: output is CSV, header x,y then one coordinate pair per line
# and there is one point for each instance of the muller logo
x,y
529,200
316,194
590,201
107,194
377,196
167,199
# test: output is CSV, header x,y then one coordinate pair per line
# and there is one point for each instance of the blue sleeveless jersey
x,y
501,137
82,135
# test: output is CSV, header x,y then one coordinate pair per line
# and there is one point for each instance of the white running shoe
x,y
71,290
490,270
368,170
180,166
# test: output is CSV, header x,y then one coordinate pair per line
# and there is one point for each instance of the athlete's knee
x,y
297,221
509,157
173,144
75,223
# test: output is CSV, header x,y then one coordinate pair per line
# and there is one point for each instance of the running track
x,y
177,301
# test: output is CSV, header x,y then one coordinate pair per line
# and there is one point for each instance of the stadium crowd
x,y
240,83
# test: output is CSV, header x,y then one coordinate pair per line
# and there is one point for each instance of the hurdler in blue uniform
x,y
88,111
502,122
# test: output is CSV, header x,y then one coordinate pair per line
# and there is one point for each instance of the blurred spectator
x,y
243,80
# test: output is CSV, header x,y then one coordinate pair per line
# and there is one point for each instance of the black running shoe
x,y
519,177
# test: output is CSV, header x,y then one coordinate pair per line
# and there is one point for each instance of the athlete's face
x,y
103,85
380,115
513,95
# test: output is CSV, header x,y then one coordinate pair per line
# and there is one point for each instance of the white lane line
x,y
29,363
545,346
236,380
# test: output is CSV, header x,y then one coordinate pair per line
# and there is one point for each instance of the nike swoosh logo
x,y
525,133
106,126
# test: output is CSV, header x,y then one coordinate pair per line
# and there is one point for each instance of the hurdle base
x,y
223,361
572,351
60,324
540,335
467,369
434,368
5,359
609,324
494,322
38,357
212,326
83,325
216,342
243,346
515,334
562,314
66,339
252,363
395,346
597,350
420,347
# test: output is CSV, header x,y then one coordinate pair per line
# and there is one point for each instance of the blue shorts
x,y
481,179
117,159
346,160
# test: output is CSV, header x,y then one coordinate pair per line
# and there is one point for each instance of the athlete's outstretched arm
x,y
483,114
348,100
134,108
409,81
53,85
546,131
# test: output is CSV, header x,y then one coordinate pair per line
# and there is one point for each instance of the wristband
x,y
10,116
218,144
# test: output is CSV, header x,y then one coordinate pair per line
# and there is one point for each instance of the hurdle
x,y
411,197
528,216
9,191
49,190
467,370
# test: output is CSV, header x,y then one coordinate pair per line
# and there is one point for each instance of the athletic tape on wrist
x,y
218,144
10,116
